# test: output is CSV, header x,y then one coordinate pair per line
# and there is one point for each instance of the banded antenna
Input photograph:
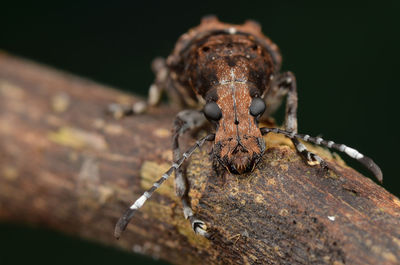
x,y
353,153
128,215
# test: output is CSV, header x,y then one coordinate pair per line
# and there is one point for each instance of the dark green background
x,y
345,59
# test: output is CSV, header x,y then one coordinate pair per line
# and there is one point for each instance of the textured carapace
x,y
230,65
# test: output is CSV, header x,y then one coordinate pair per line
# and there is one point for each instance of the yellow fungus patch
x,y
77,138
10,173
10,90
113,129
60,102
162,133
389,256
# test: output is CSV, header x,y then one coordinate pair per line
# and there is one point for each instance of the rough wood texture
x,y
66,165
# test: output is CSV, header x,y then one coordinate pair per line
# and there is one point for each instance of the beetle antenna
x,y
353,153
128,215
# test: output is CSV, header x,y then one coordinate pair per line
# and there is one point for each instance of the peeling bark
x,y
66,165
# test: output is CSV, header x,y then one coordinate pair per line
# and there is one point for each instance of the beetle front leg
x,y
287,82
184,121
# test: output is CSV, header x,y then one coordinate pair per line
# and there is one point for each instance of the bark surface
x,y
66,165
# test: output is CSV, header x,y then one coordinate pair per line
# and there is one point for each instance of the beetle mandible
x,y
232,72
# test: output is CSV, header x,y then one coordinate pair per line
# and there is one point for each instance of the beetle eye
x,y
212,111
257,107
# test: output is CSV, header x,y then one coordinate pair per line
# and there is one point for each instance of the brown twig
x,y
66,165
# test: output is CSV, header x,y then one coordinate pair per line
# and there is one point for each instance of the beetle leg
x,y
184,121
198,226
286,82
160,70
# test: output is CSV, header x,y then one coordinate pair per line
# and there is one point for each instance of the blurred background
x,y
345,60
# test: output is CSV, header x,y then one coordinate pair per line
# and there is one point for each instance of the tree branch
x,y
66,165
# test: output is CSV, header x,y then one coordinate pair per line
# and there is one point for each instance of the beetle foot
x,y
199,227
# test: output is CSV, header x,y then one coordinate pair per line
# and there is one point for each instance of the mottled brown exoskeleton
x,y
227,75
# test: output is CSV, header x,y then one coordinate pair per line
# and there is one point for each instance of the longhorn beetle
x,y
232,71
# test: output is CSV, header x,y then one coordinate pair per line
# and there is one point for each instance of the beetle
x,y
232,73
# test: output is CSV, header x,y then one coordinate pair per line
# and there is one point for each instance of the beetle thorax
x,y
223,58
